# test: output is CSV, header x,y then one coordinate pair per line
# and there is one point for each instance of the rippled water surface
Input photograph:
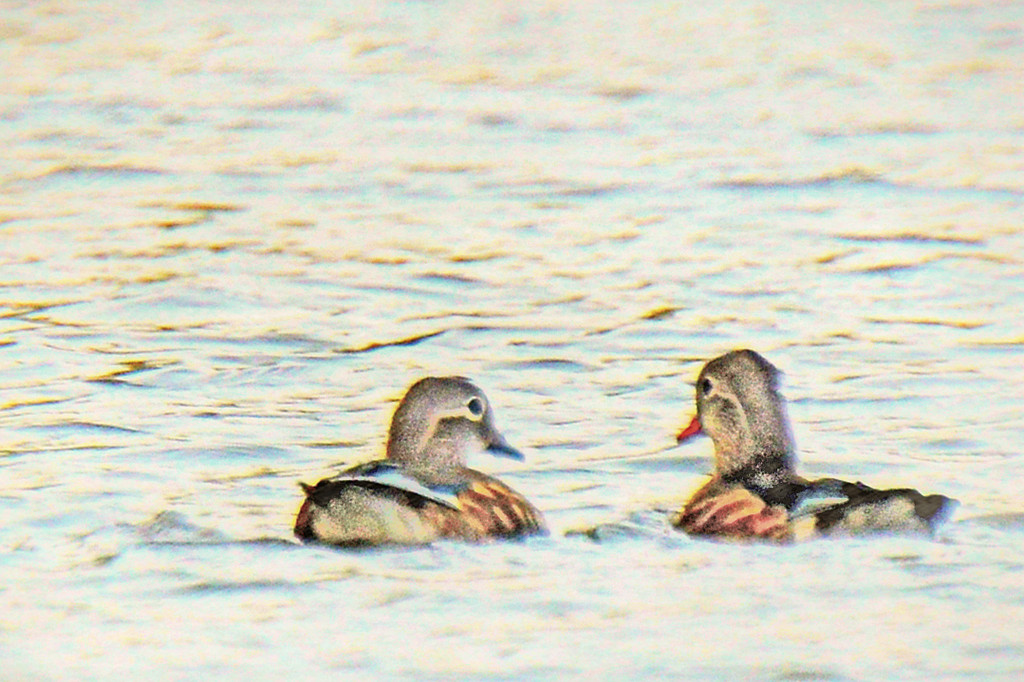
x,y
232,234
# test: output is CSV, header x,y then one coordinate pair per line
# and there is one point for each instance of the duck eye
x,y
705,386
475,407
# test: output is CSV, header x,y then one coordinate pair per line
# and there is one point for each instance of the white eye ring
x,y
475,407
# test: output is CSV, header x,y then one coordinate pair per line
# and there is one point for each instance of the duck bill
x,y
692,429
499,447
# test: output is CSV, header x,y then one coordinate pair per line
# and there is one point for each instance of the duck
x,y
740,407
423,490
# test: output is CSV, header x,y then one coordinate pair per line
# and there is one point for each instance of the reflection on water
x,y
232,238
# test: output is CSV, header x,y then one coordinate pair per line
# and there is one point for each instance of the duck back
x,y
833,507
355,509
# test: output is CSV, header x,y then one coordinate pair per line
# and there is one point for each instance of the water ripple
x,y
231,239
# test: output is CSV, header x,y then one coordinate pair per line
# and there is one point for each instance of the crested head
x,y
438,423
740,408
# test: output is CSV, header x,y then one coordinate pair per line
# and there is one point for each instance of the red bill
x,y
692,429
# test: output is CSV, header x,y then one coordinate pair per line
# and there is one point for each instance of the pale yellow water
x,y
232,234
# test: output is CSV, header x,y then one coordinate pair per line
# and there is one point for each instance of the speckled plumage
x,y
730,511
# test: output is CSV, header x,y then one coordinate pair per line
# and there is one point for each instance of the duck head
x,y
439,423
740,408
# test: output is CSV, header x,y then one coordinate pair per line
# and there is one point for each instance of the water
x,y
232,235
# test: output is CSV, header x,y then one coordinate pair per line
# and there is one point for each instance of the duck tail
x,y
934,509
303,520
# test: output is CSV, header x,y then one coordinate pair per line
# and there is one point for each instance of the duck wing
x,y
380,503
810,498
841,507
385,475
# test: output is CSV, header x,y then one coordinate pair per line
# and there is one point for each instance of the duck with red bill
x,y
740,408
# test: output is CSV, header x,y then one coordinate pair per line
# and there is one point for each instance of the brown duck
x,y
740,408
423,490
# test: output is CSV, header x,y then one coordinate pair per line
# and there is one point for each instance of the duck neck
x,y
407,436
436,460
769,471
764,458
